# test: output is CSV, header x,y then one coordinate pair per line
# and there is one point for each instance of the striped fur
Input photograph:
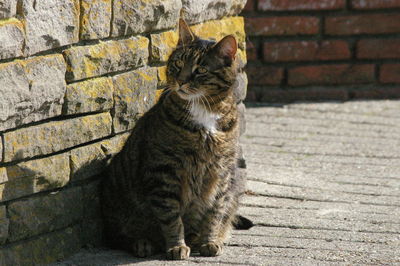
x,y
173,186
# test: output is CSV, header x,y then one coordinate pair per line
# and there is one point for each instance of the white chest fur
x,y
204,117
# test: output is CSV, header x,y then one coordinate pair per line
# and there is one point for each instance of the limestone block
x,y
87,161
8,8
162,45
198,11
115,144
54,136
3,175
138,16
17,254
240,87
11,38
134,94
105,57
242,119
34,176
3,225
88,96
95,19
32,90
34,216
1,155
220,28
57,245
50,24
162,76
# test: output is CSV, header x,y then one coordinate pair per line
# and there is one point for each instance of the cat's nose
x,y
180,82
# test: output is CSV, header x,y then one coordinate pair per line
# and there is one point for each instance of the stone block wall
x,y
75,75
323,49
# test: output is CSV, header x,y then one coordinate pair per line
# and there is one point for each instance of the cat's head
x,y
201,67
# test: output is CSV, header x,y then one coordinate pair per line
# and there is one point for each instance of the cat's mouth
x,y
186,92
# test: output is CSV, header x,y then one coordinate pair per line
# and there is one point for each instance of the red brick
x,y
292,5
249,6
363,24
294,95
269,26
374,4
375,48
331,74
305,51
383,93
264,75
251,52
390,73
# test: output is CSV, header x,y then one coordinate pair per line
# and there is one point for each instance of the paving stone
x,y
34,90
89,96
34,216
139,16
106,57
55,136
134,94
11,38
95,19
34,176
46,29
198,11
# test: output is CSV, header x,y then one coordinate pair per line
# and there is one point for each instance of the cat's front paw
x,y
211,249
178,253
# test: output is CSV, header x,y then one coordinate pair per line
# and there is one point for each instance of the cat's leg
x,y
166,207
218,223
211,243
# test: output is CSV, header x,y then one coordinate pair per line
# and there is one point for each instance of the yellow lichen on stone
x,y
106,57
158,94
162,75
162,45
115,144
54,136
3,175
89,96
217,29
10,21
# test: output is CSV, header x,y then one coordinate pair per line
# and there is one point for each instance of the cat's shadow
x,y
110,257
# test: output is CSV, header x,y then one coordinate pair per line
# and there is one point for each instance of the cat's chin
x,y
188,96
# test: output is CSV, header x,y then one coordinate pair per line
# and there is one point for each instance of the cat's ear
x,y
226,49
186,36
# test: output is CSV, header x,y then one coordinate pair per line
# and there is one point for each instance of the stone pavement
x,y
323,189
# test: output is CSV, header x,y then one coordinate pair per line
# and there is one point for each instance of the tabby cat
x,y
174,187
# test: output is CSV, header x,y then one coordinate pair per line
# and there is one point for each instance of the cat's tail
x,y
242,223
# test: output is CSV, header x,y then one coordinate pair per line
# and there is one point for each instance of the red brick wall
x,y
322,49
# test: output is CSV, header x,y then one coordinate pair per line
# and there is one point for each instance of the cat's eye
x,y
179,63
201,70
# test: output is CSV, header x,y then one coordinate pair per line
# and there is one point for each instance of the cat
x,y
174,187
